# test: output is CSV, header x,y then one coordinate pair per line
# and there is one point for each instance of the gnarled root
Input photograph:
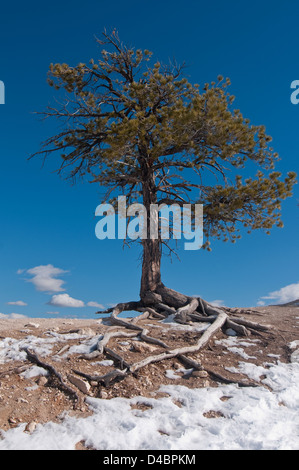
x,y
183,309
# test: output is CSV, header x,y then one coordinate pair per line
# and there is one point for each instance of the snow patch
x,y
166,426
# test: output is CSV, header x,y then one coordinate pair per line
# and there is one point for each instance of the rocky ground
x,y
30,394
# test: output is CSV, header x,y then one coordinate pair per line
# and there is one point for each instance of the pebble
x,y
295,356
22,400
86,332
30,427
200,373
82,385
143,347
12,420
42,381
230,332
31,325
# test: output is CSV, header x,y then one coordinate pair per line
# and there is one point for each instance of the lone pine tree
x,y
139,128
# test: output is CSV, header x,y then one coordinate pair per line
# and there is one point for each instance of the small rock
x,y
82,385
206,383
200,373
295,356
143,347
230,332
86,332
30,427
22,400
103,394
12,420
42,381
32,325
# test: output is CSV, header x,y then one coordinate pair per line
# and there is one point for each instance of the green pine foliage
x,y
128,120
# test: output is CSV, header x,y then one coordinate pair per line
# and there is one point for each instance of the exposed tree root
x,y
104,379
183,309
220,378
158,305
55,376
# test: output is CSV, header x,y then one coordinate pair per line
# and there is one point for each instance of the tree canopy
x,y
140,128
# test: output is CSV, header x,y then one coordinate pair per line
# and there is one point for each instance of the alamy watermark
x,y
165,221
295,94
2,92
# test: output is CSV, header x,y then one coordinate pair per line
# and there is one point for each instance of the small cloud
x,y
52,313
19,303
12,315
95,304
284,295
45,278
261,303
217,303
64,300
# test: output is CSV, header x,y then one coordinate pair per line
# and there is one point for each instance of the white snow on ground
x,y
249,418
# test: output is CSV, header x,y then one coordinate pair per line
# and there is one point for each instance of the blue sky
x,y
48,245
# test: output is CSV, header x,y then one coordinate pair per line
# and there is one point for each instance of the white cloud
x,y
12,315
64,300
95,304
217,303
45,278
283,295
19,303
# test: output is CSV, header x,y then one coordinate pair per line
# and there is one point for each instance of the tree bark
x,y
151,267
151,258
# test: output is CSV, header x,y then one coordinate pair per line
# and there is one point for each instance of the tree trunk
x,y
151,267
151,258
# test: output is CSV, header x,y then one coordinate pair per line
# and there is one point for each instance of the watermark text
x,y
2,92
159,222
